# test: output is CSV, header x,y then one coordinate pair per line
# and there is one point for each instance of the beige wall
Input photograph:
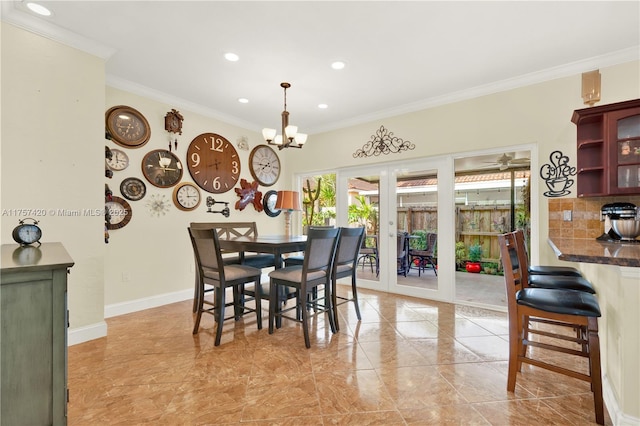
x,y
52,156
53,104
153,253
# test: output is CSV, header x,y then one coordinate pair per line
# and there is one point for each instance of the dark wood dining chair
x,y
345,265
315,271
560,308
227,230
425,256
214,272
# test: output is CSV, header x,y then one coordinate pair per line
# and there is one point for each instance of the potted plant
x,y
475,254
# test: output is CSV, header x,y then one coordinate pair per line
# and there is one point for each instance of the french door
x,y
414,197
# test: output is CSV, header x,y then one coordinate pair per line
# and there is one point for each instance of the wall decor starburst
x,y
383,142
158,205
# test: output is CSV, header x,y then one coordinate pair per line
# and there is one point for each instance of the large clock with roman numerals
x,y
213,163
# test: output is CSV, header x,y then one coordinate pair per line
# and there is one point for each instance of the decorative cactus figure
x,y
309,202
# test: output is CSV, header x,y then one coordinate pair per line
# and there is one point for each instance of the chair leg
x,y
273,300
354,291
329,309
196,326
220,302
238,302
594,367
258,301
334,303
305,321
515,333
197,293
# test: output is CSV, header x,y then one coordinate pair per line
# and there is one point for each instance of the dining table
x,y
274,244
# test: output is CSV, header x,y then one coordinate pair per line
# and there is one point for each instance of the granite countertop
x,y
585,250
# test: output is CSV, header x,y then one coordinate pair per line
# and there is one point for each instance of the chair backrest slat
x,y
349,245
320,249
206,249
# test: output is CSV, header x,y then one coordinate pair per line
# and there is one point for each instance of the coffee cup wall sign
x,y
556,175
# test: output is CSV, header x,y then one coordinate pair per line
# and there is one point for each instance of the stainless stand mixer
x,y
621,222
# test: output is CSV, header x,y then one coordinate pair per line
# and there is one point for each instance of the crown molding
x,y
11,13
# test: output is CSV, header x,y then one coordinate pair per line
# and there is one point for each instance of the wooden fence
x,y
474,225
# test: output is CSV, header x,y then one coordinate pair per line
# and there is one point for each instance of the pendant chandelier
x,y
290,138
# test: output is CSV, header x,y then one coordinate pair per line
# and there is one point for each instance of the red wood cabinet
x,y
608,153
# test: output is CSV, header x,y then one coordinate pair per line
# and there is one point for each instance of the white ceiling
x,y
400,56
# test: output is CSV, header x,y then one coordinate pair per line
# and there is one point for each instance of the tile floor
x,y
408,362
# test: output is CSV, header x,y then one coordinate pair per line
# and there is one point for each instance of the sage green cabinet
x,y
33,334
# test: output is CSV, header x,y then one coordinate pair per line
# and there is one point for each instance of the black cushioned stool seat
x,y
561,282
554,270
568,302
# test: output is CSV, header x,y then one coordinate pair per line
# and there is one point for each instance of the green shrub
x,y
475,253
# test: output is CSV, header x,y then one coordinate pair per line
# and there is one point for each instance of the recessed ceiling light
x,y
338,65
39,9
323,106
231,57
243,100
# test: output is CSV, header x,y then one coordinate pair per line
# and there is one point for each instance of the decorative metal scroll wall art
x,y
383,142
556,175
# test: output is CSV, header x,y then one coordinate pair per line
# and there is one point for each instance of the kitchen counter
x,y
593,251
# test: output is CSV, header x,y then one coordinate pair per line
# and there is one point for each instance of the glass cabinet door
x,y
625,161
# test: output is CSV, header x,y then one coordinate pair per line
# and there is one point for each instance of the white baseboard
x,y
618,418
86,333
146,303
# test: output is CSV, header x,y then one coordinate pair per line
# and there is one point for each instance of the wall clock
x,y
269,203
264,165
186,196
133,189
118,160
173,122
161,168
127,127
213,162
118,213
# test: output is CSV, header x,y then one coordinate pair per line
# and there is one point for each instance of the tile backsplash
x,y
585,215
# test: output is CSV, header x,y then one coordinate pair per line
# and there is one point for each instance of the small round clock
x,y
118,211
133,189
119,160
186,196
269,203
127,126
162,168
27,233
264,165
213,162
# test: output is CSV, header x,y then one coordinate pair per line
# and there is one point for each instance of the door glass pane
x,y
491,197
363,209
417,228
318,195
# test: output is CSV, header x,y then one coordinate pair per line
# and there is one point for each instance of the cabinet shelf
x,y
589,143
602,170
591,169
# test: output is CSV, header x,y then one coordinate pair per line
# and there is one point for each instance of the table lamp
x,y
288,201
